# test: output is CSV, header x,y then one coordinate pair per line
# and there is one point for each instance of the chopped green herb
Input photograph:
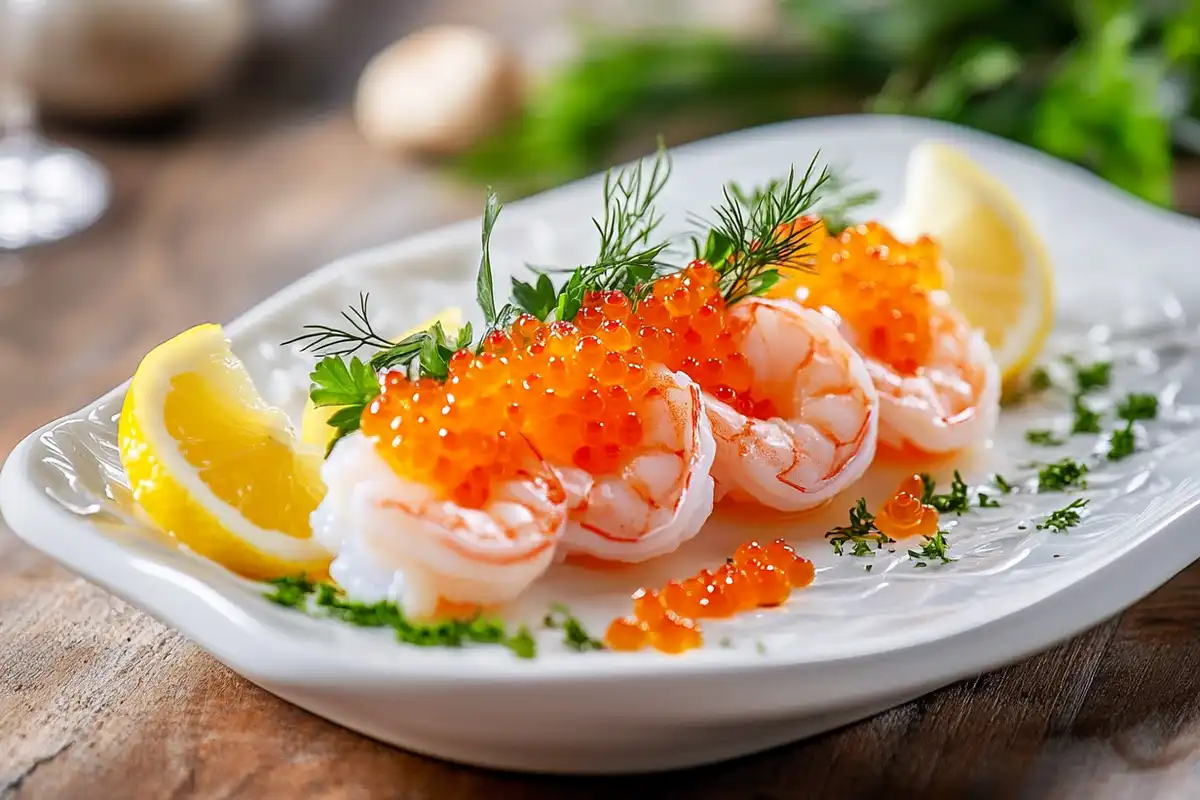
x,y
575,636
933,549
294,592
1039,380
869,567
928,487
1086,420
861,532
957,500
988,502
291,591
1093,376
1043,437
1138,406
1122,443
1062,475
1002,484
1067,517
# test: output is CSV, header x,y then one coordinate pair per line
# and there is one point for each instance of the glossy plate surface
x,y
855,643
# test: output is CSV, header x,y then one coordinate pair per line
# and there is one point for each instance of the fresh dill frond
x,y
1043,437
629,256
1062,475
1138,406
861,532
1122,443
575,636
328,340
1063,518
1086,420
749,244
934,549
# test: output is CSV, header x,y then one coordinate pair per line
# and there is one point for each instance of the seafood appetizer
x,y
596,420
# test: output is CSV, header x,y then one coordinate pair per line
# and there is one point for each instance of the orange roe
x,y
904,515
879,285
575,397
684,324
757,576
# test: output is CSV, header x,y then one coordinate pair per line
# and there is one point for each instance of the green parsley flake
x,y
1043,437
934,549
957,500
1067,517
1089,377
1062,475
1002,484
1123,443
861,532
1138,406
1086,420
575,636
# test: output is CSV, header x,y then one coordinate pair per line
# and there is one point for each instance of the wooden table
x,y
97,700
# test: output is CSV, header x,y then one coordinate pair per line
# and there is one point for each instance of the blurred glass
x,y
47,191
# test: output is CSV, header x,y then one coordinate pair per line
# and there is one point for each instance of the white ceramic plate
x,y
855,643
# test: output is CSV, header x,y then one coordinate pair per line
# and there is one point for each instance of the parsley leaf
x,y
1086,420
336,382
1063,518
1138,406
957,499
1093,376
1062,475
537,298
1123,443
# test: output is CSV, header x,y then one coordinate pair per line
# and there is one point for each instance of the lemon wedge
x,y
999,274
314,427
211,464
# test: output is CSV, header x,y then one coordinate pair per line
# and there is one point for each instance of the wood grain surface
x,y
98,700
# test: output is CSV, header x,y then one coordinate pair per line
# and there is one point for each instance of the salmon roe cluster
x,y
879,285
575,396
904,515
666,619
684,324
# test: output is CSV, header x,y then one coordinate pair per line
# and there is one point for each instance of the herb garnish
x,y
756,234
1092,376
861,532
1039,380
934,549
1086,420
1002,484
575,636
1066,517
928,487
957,499
295,591
986,501
627,261
1043,437
1138,406
1122,443
1063,475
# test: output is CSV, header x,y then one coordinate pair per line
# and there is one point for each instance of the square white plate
x,y
855,643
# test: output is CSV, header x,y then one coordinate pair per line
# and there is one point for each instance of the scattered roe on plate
x,y
879,285
903,514
666,619
575,396
684,325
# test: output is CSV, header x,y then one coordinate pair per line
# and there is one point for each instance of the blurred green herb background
x,y
1103,83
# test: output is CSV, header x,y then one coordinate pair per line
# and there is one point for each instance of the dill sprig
x,y
575,636
629,257
861,532
755,235
329,601
957,500
934,549
1063,518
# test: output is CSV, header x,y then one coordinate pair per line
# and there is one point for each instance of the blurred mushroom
x,y
437,91
109,59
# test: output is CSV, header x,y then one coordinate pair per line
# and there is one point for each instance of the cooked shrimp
x,y
398,538
938,384
819,435
663,492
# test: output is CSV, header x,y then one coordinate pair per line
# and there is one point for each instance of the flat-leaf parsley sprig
x,y
328,600
861,533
